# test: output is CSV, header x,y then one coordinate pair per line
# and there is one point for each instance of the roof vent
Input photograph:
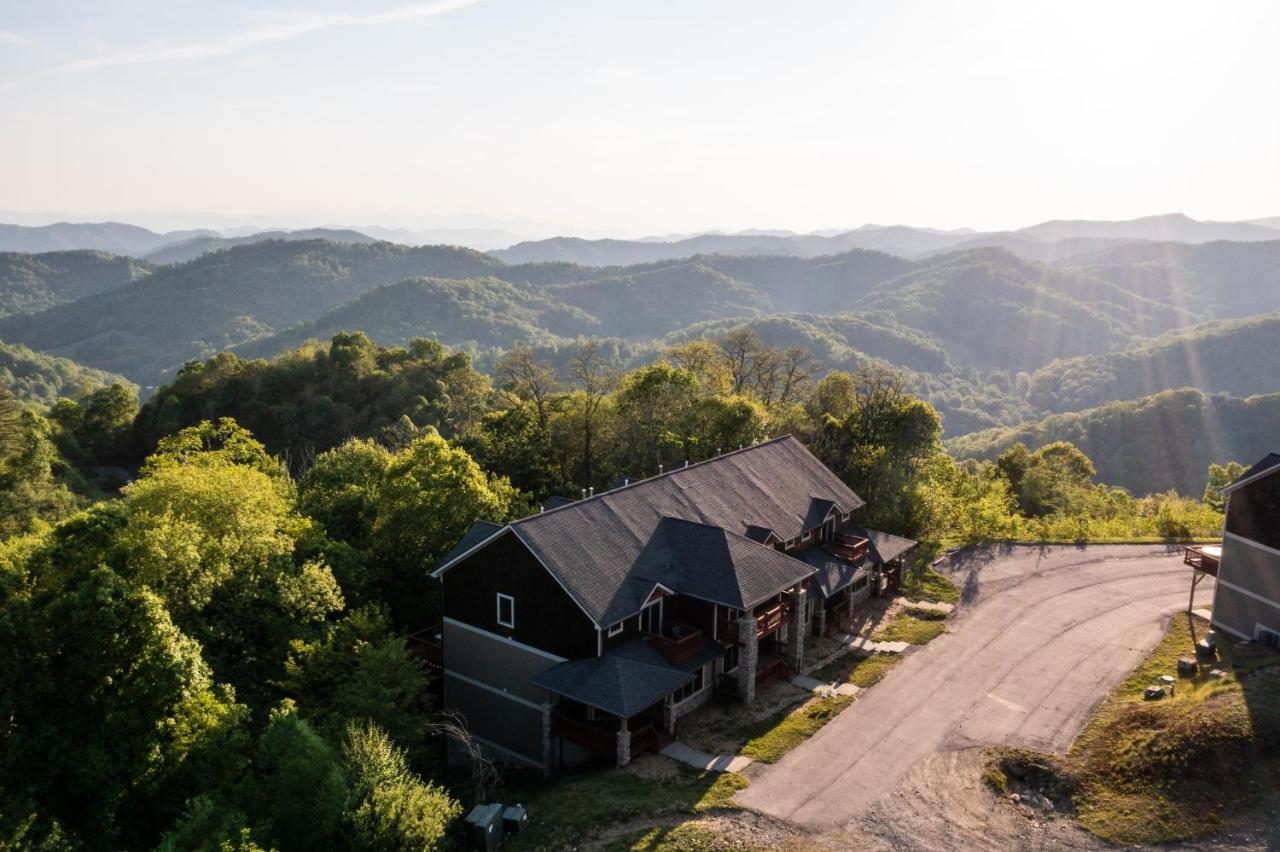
x,y
686,462
584,494
659,468
591,492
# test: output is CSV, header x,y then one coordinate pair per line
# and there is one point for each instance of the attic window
x,y
506,610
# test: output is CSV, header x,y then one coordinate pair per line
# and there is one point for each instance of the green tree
x,y
361,669
390,808
1056,480
300,789
109,709
429,497
1220,476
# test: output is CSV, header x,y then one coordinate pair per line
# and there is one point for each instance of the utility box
x,y
515,819
484,827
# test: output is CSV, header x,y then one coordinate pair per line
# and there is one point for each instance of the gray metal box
x,y
484,827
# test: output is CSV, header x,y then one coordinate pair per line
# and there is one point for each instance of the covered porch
x,y
621,705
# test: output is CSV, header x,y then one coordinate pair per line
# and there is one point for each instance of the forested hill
x,y
219,300
44,379
251,292
1239,357
113,237
1156,443
1212,280
34,282
197,246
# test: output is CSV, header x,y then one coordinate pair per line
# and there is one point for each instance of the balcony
x,y
428,645
601,736
1204,558
769,620
682,643
850,548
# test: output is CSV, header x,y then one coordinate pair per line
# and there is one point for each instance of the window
x,y
506,610
690,689
829,530
651,618
615,629
859,584
731,658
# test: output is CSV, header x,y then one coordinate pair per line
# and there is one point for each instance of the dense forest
x,y
989,339
1159,442
240,610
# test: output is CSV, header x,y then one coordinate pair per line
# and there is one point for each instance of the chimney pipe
x,y
591,492
584,494
686,462
659,468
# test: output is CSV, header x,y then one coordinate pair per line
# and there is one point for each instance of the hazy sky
x,y
640,117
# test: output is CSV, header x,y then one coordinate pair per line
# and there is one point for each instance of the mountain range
x,y
1033,348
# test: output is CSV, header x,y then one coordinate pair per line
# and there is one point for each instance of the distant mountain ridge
x,y
113,237
1047,241
186,250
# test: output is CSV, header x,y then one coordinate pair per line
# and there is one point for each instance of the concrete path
x,y
927,606
1041,637
871,646
701,760
820,687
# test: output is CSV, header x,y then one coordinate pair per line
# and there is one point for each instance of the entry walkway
x,y
701,760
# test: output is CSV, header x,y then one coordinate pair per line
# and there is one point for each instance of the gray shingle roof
x,y
594,546
479,531
621,682
1266,463
833,573
884,547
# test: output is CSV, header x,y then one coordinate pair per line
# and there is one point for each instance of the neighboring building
x,y
1246,597
589,629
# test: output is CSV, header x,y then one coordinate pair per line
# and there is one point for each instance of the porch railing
x,y
593,737
684,643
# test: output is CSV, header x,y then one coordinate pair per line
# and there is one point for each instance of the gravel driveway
x,y
1041,636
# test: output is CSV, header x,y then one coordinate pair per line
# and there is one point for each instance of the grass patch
x,y
922,583
770,738
687,837
1181,768
913,626
562,813
860,669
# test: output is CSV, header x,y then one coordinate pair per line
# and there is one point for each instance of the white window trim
x,y
508,624
615,629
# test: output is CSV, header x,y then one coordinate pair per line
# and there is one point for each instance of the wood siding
x,y
545,616
1253,511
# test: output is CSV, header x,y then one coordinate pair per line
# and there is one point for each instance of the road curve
x,y
1042,634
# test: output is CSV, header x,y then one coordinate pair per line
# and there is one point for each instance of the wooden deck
x,y
1203,557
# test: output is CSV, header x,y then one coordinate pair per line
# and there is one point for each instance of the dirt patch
x,y
654,767
717,728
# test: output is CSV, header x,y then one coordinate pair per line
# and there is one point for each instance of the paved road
x,y
1041,636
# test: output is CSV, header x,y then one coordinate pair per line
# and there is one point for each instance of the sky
x,y
626,118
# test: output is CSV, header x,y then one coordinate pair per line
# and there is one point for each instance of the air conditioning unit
x,y
484,827
515,819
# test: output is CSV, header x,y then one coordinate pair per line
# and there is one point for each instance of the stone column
x,y
669,716
748,655
795,647
820,618
624,744
547,751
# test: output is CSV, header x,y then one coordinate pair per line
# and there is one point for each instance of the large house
x,y
1246,597
589,629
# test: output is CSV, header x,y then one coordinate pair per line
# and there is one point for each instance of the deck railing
x,y
595,738
850,548
1197,558
428,645
683,645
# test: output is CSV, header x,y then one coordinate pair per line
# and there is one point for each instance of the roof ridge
x,y
655,477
